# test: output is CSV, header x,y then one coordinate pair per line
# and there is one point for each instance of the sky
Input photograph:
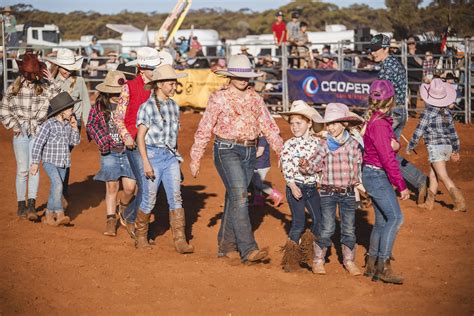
x,y
114,6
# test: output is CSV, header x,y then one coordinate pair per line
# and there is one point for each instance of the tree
x,y
404,16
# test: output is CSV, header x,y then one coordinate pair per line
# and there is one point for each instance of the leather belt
x,y
241,142
373,167
334,189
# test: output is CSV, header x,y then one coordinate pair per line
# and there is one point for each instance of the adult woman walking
x,y
236,115
23,108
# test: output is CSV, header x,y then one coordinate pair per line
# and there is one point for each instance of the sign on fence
x,y
325,86
195,89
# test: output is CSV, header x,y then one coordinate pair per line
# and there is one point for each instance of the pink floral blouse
x,y
231,117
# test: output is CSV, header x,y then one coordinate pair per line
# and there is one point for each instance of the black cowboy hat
x,y
130,72
60,102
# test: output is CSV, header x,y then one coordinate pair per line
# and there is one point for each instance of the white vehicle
x,y
38,36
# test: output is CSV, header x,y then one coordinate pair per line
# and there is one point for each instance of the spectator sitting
x,y
183,45
279,30
293,28
428,67
327,62
302,46
244,50
394,48
195,44
94,46
326,49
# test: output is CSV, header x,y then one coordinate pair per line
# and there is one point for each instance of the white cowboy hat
x,y
65,59
164,73
338,112
239,66
438,93
299,107
148,57
113,82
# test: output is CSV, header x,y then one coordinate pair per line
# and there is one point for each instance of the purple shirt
x,y
378,150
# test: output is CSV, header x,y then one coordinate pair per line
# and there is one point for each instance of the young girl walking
x,y
436,126
301,191
380,173
339,162
114,164
51,146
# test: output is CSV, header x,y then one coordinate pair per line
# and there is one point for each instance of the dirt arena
x,y
77,270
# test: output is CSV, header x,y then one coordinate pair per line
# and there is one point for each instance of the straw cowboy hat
x,y
30,67
338,112
164,73
60,102
148,57
438,93
7,9
244,48
300,107
239,66
113,82
65,59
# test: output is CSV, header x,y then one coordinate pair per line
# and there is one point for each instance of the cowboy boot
x,y
276,197
319,258
291,256
141,230
21,211
258,200
64,202
458,198
178,223
130,227
49,218
369,266
348,255
422,190
62,219
306,248
429,202
257,255
31,212
385,273
111,226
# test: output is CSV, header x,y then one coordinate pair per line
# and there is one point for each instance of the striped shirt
x,y
53,141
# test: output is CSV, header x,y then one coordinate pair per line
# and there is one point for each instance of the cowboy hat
x,y
338,112
113,82
394,43
299,107
148,57
239,66
130,72
60,102
7,9
438,93
65,59
30,67
244,48
164,73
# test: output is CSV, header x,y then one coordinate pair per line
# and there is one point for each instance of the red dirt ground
x,y
77,270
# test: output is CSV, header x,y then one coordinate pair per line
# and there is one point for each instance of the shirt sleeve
x,y
204,132
144,115
316,160
39,143
287,164
453,135
6,112
269,128
419,131
74,137
84,96
119,113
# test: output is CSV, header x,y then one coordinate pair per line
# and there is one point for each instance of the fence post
x,y
467,82
340,56
284,76
4,58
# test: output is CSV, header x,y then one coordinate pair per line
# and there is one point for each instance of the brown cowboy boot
x,y
458,198
111,226
49,218
141,230
62,219
291,256
429,202
319,259
348,260
178,223
422,190
385,273
369,266
130,227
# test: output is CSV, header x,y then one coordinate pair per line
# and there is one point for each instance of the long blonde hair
x,y
376,105
18,84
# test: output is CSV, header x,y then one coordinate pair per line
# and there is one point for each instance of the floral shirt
x,y
232,117
119,113
392,70
294,149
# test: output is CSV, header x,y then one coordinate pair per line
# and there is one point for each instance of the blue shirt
x,y
391,69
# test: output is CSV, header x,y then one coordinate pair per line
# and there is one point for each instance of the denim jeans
x,y
388,216
136,163
235,165
68,169
56,178
23,146
166,168
311,201
410,173
347,207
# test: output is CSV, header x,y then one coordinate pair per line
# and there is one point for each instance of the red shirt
x,y
138,96
278,29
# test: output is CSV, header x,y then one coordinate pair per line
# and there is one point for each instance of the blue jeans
x,y
166,168
347,207
23,146
311,201
56,178
388,216
136,163
410,173
235,165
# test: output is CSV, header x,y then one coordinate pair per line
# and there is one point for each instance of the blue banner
x,y
329,86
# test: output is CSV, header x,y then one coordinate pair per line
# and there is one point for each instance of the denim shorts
x,y
439,152
113,166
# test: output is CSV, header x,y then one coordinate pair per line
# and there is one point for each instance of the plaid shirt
x,y
340,168
99,131
428,67
391,69
162,122
26,111
436,126
53,141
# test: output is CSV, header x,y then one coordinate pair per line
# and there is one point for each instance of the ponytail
x,y
375,105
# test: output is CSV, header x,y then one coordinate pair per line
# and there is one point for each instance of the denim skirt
x,y
439,152
113,166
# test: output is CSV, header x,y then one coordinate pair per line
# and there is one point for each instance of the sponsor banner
x,y
325,86
195,89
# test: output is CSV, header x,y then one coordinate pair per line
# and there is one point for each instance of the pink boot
x,y
276,197
258,200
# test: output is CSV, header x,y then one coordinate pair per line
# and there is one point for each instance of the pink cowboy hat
x,y
338,112
438,93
